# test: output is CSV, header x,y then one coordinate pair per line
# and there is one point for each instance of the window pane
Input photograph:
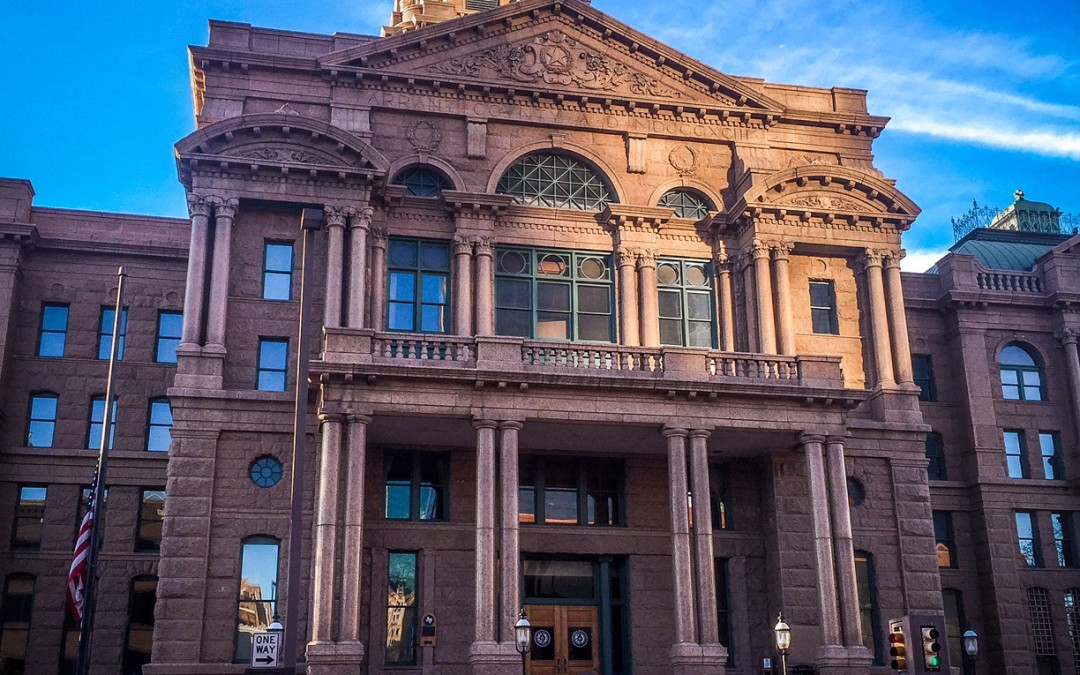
x,y
699,306
257,593
1015,356
559,580
551,326
52,344
594,328
402,286
53,333
670,332
402,253
170,327
512,293
434,288
433,318
401,609
434,256
553,297
513,323
400,316
272,353
670,304
269,381
279,257
594,299
105,337
277,286
700,334
151,517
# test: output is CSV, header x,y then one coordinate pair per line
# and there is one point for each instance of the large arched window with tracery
x,y
1021,374
687,203
556,180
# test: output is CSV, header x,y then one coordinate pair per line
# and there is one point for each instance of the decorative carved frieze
x,y
829,202
271,154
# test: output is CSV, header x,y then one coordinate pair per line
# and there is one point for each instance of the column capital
x,y
669,431
484,245
225,207
510,424
378,237
781,250
873,257
1067,334
485,424
759,250
462,245
645,258
360,217
332,416
808,438
625,256
722,263
893,258
336,216
834,440
357,418
700,433
198,205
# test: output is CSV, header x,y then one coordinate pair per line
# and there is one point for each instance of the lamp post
x,y
971,645
782,640
523,635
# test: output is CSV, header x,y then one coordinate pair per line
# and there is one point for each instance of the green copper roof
x,y
1007,249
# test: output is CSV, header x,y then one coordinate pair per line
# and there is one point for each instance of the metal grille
x,y
481,4
1042,625
687,203
422,182
1072,620
558,181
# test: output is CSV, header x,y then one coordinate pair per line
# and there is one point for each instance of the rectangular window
x,y
1051,455
18,608
1028,535
685,303
823,308
570,491
723,609
955,624
151,518
169,328
1064,543
29,515
554,295
41,424
924,377
935,457
720,497
401,601
866,587
257,596
97,421
418,297
52,336
273,362
159,425
943,534
277,270
416,485
1015,454
140,630
105,333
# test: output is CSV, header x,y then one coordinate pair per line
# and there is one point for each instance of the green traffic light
x,y
933,661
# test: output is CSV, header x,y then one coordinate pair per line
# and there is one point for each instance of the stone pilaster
x,y
194,310
462,302
378,278
680,535
510,596
649,315
1068,337
218,310
704,565
484,253
745,263
766,318
335,252
879,323
485,531
359,225
785,329
823,541
898,333
326,529
629,329
726,302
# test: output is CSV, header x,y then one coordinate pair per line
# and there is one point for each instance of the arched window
x,y
17,606
687,203
140,630
1021,374
257,592
868,605
558,181
422,181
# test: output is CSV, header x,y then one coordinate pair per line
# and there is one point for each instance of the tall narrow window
x,y
52,337
257,595
41,424
151,517
140,628
1072,621
159,425
1064,539
277,270
720,496
868,611
1042,624
401,604
1021,376
924,377
1050,449
570,491
1028,535
69,644
955,625
943,534
105,333
935,457
823,308
97,422
169,328
1015,454
685,303
418,297
29,515
273,363
18,607
554,295
723,609
416,485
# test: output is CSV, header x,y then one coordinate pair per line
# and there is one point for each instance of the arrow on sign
x,y
266,659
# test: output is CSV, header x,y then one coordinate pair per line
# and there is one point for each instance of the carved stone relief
x,y
824,202
424,136
683,159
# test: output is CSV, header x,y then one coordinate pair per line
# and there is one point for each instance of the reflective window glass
x,y
52,337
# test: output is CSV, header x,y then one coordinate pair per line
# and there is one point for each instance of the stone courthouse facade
x,y
598,331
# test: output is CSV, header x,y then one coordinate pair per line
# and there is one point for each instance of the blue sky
x,y
984,96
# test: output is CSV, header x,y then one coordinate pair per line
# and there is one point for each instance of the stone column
x,y
463,300
509,551
359,224
726,301
335,264
326,519
680,536
485,285
878,321
485,531
353,541
745,262
1068,336
224,211
894,294
705,571
649,318
378,279
766,318
199,209
629,329
843,550
785,329
823,549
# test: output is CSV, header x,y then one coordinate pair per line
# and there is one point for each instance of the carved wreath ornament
x,y
557,59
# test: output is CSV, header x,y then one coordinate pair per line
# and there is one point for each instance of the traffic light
x,y
897,647
931,649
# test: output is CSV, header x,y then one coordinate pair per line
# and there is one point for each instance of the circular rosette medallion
x,y
542,638
579,638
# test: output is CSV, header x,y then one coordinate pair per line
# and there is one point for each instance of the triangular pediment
x,y
553,46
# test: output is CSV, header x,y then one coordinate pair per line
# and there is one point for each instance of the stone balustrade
x,y
1008,280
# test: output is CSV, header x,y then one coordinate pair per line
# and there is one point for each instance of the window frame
x,y
418,460
868,607
934,450
267,272
724,624
1022,387
145,543
262,367
1034,560
422,180
20,521
684,291
1018,459
24,621
407,608
590,189
93,441
43,331
242,654
684,200
720,495
585,468
1062,525
830,308
166,341
1052,464
944,537
151,408
922,366
31,420
132,660
420,273
105,327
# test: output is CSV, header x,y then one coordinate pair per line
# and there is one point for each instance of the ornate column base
x,y
494,658
334,658
690,658
840,660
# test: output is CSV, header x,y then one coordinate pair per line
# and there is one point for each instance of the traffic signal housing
x,y
931,649
897,646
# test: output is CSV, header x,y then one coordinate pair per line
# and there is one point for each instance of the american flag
x,y
76,586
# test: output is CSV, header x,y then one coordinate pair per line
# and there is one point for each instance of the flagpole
x,y
86,626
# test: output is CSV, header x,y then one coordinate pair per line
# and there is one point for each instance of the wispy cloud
x,y
920,260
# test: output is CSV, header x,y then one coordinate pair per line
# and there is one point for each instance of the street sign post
x,y
265,650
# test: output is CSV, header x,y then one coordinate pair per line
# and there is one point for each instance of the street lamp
x,y
782,640
523,634
971,644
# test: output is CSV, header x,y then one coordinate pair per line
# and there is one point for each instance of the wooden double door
x,y
564,640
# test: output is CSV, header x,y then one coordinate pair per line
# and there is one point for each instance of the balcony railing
x,y
590,357
1000,280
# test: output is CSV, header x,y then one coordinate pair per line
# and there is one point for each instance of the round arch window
x,y
557,181
422,181
687,203
266,471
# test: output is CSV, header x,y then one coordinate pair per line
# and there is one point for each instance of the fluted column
x,y
194,290
359,224
705,571
1068,336
844,551
463,300
353,522
785,330
894,295
726,301
766,319
823,548
649,317
326,518
224,211
484,248
629,330
378,279
335,264
878,321
510,598
682,572
485,530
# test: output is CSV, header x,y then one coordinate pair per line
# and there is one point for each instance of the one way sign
x,y
264,650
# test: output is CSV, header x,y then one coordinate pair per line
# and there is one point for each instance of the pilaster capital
x,y
873,257
722,263
835,440
462,245
360,217
336,216
645,258
378,237
358,418
625,256
811,439
509,425
225,207
759,250
484,424
484,245
781,250
199,205
331,417
1067,334
700,433
893,258
673,431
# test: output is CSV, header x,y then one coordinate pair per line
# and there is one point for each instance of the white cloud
x,y
920,260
